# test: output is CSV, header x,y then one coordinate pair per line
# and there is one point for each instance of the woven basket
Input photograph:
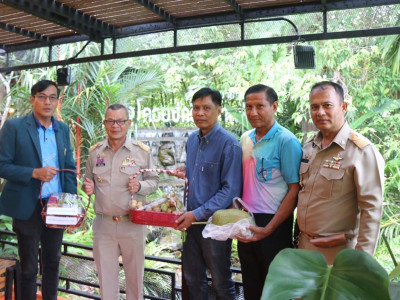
x,y
61,221
155,218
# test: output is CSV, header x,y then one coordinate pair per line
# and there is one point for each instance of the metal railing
x,y
78,273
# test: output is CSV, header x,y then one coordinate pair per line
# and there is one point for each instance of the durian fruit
x,y
230,215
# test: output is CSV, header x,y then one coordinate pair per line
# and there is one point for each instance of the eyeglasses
x,y
112,122
43,98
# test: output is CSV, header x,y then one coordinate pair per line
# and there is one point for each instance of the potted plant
x,y
304,274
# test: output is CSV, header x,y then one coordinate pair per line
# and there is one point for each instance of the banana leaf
x,y
304,274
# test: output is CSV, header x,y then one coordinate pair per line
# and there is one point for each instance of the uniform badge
x,y
337,157
99,179
100,160
129,162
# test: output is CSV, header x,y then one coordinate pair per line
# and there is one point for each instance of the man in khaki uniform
x,y
109,174
341,174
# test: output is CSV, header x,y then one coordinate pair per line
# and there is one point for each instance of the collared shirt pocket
x,y
264,169
125,172
101,175
303,171
129,170
329,183
210,170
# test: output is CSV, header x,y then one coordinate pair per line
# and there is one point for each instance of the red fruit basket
x,y
156,218
54,217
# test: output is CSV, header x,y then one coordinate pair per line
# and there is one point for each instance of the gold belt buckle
x,y
116,218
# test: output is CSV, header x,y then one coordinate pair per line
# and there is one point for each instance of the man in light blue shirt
x,y
214,173
48,148
271,160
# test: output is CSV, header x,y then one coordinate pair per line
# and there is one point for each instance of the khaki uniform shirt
x,y
111,170
342,189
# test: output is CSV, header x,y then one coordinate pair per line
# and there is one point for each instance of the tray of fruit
x,y
163,211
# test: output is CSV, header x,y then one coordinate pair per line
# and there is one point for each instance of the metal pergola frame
x,y
97,31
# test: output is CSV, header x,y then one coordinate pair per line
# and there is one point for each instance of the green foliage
x,y
391,51
7,250
83,234
395,273
365,67
5,223
304,274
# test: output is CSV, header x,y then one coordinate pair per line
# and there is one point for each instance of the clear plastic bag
x,y
230,230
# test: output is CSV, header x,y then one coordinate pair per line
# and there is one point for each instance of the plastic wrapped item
x,y
63,210
230,230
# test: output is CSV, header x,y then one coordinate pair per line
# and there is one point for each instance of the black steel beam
x,y
53,42
219,45
157,10
217,19
313,7
237,8
24,32
350,4
63,15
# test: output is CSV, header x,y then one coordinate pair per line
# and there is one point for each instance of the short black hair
x,y
204,92
272,96
324,84
117,106
41,85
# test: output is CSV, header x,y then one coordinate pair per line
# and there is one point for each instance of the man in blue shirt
x,y
214,173
33,149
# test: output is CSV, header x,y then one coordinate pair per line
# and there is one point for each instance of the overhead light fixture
x,y
64,73
64,76
304,56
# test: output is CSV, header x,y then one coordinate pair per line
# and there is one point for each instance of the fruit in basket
x,y
169,203
156,207
164,207
136,204
179,205
230,215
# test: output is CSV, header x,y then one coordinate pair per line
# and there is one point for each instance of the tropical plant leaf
x,y
395,273
386,107
304,274
239,116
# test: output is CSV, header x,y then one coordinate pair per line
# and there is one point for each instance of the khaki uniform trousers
x,y
112,239
329,253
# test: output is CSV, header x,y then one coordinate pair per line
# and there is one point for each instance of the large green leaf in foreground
x,y
304,274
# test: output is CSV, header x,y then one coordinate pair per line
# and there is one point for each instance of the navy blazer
x,y
19,155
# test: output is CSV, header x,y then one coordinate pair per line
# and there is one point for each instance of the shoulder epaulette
x,y
143,146
94,147
359,140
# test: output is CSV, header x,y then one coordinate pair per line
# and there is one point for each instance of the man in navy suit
x,y
32,150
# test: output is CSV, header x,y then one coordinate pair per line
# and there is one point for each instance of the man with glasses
x,y
33,149
109,174
214,172
271,160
